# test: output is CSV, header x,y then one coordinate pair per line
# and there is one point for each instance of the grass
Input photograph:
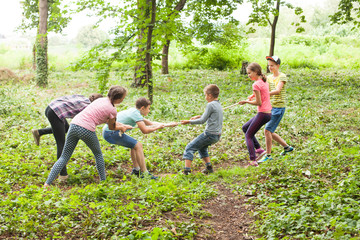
x,y
310,194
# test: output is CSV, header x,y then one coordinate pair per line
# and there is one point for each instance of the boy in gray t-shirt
x,y
213,116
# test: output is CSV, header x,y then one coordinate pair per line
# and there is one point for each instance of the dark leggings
x,y
58,128
251,128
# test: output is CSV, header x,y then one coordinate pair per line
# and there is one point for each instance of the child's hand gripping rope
x,y
158,125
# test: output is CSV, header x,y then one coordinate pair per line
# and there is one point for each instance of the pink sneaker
x,y
254,163
259,153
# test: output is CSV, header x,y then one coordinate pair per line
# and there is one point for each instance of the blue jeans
x,y
200,144
113,137
276,116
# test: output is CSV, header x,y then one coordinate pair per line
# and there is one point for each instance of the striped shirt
x,y
278,101
69,106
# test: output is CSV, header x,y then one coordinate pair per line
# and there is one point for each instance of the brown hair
x,y
116,92
95,96
255,67
142,102
212,89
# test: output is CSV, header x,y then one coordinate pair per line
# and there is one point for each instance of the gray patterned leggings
x,y
74,134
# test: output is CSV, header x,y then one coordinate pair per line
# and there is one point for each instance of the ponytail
x,y
95,96
263,77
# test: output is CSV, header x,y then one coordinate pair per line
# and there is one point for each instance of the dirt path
x,y
230,218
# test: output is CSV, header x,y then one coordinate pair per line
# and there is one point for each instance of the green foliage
x,y
41,61
216,57
264,13
348,11
311,193
58,19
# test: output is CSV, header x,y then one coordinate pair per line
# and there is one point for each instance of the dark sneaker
x,y
289,149
148,175
135,172
186,172
36,135
208,169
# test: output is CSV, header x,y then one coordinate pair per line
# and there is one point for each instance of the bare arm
x,y
147,129
113,125
148,122
256,102
278,89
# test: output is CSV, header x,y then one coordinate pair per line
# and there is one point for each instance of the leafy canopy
x,y
264,11
348,11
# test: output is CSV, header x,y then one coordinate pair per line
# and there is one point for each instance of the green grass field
x,y
312,193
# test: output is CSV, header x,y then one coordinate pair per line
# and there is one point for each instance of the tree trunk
x,y
165,58
148,57
244,65
140,74
34,56
273,31
41,46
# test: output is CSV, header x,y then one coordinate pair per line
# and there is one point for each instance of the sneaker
x,y
260,155
36,135
289,149
208,169
259,152
135,172
186,172
148,175
264,159
63,178
253,163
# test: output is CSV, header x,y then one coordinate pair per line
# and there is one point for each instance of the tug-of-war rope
x,y
174,124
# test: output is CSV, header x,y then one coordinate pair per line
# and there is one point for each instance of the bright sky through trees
x,y
10,16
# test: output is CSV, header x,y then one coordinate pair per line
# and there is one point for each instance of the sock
x,y
268,155
137,168
287,147
208,164
187,169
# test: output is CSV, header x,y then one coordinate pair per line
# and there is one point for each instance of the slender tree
x,y
168,35
41,46
148,58
267,12
58,18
